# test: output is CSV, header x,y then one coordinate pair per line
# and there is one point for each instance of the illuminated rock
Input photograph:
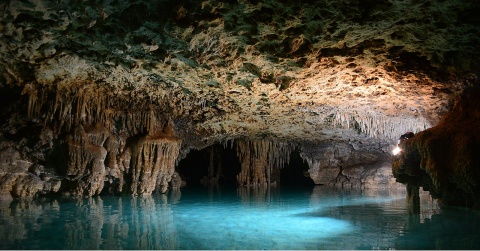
x,y
349,164
303,73
444,159
153,164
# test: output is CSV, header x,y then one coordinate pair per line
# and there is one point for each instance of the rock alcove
x,y
114,96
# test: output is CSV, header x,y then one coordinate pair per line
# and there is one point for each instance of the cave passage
x,y
212,164
220,165
295,173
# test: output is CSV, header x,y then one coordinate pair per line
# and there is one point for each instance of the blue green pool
x,y
212,218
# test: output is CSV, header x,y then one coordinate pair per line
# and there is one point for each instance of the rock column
x,y
86,160
261,162
413,199
153,164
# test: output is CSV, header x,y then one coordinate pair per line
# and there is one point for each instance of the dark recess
x,y
295,174
195,165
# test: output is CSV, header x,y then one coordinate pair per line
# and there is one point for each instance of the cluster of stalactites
x,y
95,158
261,161
86,160
153,164
115,141
90,105
374,124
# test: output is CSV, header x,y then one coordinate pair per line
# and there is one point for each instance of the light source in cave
x,y
405,136
396,150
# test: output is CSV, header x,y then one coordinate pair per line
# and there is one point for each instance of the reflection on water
x,y
93,223
316,218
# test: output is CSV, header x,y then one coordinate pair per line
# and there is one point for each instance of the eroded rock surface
x,y
444,159
109,96
349,164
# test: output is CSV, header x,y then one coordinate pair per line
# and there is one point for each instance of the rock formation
x,y
444,159
108,97
261,162
349,164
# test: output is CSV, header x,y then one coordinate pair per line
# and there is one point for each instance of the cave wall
x,y
444,159
356,163
83,140
108,97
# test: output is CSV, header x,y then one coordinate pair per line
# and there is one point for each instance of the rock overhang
x,y
322,71
258,64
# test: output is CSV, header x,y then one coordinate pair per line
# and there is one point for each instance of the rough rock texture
x,y
20,178
108,96
349,164
444,159
261,162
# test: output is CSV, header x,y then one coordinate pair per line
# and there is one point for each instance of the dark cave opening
x,y
213,163
295,173
220,165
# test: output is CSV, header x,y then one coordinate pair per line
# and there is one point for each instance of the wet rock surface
x,y
109,97
349,164
444,159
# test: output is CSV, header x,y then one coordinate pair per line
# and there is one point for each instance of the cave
x,y
127,113
219,165
295,173
214,165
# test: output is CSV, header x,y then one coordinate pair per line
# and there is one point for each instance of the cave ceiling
x,y
218,70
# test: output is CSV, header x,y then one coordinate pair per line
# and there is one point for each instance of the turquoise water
x,y
202,218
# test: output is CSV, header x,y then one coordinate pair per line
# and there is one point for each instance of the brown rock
x,y
444,159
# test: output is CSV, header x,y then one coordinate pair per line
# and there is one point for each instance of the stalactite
x,y
261,161
86,104
99,121
214,167
86,157
153,164
226,141
375,124
32,100
117,162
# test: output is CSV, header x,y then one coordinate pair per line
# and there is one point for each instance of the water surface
x,y
208,218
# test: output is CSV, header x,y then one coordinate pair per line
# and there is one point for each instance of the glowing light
x,y
396,151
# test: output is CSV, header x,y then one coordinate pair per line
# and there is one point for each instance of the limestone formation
x,y
261,162
108,97
214,168
349,164
153,164
444,159
20,178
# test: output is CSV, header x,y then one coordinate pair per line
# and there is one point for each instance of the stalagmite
x,y
261,162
